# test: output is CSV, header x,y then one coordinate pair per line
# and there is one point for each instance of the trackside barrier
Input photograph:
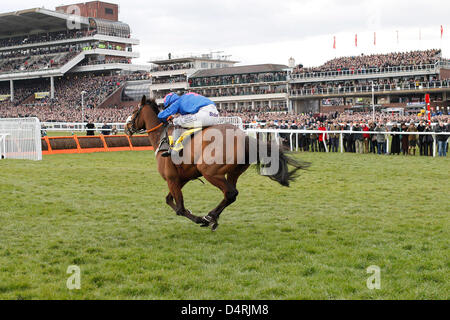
x,y
81,127
268,133
20,138
3,145
90,144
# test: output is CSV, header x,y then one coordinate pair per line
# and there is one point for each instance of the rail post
x,y
434,146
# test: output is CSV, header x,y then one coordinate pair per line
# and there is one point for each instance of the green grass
x,y
106,213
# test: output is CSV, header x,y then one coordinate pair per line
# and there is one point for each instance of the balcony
x,y
429,69
169,86
331,92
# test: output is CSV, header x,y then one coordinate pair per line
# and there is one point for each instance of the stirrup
x,y
165,148
167,153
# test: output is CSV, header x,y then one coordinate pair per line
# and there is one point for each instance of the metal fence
x,y
21,139
295,134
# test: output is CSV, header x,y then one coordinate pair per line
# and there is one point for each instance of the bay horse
x,y
223,175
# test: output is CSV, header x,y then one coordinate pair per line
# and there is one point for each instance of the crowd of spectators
x,y
241,91
171,67
175,79
387,84
357,142
45,37
238,79
52,57
376,61
66,106
60,113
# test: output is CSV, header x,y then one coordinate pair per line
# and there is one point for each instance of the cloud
x,y
266,30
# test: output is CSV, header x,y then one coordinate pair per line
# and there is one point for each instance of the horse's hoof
x,y
206,222
209,222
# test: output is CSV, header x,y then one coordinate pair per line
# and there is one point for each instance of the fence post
x,y
341,142
105,146
291,142
129,142
325,141
49,147
387,143
75,137
434,147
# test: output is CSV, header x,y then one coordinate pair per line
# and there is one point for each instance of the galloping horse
x,y
222,174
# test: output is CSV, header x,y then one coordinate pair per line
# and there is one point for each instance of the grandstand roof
x,y
37,19
259,68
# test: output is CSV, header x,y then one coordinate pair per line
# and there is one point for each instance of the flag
x,y
374,38
356,40
442,31
334,43
398,39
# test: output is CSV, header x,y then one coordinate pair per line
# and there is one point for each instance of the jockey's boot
x,y
164,145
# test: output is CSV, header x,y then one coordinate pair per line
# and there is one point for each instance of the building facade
x,y
45,44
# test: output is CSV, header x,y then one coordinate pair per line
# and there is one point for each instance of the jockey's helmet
x,y
170,98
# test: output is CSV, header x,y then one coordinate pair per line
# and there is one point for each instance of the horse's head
x,y
137,121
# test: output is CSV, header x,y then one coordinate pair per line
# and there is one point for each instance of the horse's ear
x,y
144,100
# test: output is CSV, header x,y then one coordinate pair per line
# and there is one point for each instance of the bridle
x,y
133,129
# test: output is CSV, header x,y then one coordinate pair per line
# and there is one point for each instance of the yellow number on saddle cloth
x,y
178,145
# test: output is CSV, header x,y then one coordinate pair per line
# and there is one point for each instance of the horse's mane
x,y
152,103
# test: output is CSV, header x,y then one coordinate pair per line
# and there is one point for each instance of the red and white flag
x,y
442,31
356,40
334,43
427,101
374,38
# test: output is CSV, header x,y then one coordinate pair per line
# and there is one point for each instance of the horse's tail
x,y
264,164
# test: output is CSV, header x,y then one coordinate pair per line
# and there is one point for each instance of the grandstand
x,y
396,80
172,73
49,57
57,72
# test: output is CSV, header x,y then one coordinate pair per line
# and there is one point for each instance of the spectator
x,y
381,139
395,145
359,139
412,139
90,129
366,137
441,139
106,129
405,139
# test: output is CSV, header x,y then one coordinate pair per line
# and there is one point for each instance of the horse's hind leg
x,y
230,194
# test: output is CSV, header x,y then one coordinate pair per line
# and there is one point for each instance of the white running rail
x,y
21,138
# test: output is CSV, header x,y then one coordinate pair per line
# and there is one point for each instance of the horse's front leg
x,y
176,194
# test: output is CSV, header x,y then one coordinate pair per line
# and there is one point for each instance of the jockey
x,y
195,111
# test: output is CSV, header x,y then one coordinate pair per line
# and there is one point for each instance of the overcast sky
x,y
263,31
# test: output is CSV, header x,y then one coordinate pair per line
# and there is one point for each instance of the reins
x,y
133,121
155,128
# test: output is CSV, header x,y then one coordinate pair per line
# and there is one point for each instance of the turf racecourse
x,y
106,214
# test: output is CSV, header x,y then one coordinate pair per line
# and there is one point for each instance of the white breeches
x,y
205,117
